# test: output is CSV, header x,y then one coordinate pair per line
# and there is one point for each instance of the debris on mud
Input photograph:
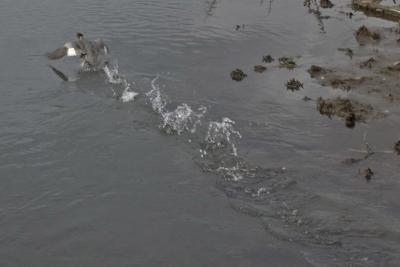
x,y
316,71
364,35
325,4
294,85
397,147
306,98
287,62
374,8
260,68
351,161
366,173
268,59
368,63
347,51
350,110
239,27
392,68
238,75
344,83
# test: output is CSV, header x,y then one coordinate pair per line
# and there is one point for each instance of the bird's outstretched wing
x,y
57,54
69,49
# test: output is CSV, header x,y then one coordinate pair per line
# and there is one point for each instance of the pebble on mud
x,y
363,35
366,173
326,4
267,59
350,120
260,68
238,75
294,85
397,147
287,62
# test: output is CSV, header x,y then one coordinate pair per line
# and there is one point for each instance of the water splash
x,y
157,102
222,134
113,77
182,119
112,73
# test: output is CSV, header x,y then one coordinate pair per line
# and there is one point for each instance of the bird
x,y
93,54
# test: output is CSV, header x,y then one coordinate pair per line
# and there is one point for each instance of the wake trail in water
x,y
273,195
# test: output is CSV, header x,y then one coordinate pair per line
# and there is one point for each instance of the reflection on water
x,y
211,5
314,9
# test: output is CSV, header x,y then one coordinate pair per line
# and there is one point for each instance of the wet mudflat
x,y
200,169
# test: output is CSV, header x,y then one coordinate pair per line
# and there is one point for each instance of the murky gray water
x,y
198,170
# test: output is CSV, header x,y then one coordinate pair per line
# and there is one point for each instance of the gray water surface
x,y
87,179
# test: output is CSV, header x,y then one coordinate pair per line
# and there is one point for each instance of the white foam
x,y
128,96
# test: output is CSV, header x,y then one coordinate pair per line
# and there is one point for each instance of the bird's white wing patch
x,y
71,52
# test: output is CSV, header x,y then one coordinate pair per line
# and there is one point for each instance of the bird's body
x,y
93,54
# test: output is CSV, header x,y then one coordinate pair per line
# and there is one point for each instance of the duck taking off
x,y
93,54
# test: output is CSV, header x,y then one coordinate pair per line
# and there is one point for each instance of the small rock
x,y
268,59
293,85
350,120
306,98
326,4
366,173
316,71
238,75
260,68
349,14
397,147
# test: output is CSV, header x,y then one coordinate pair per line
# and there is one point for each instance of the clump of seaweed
x,y
294,85
316,71
260,68
363,34
351,111
238,75
268,59
287,62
